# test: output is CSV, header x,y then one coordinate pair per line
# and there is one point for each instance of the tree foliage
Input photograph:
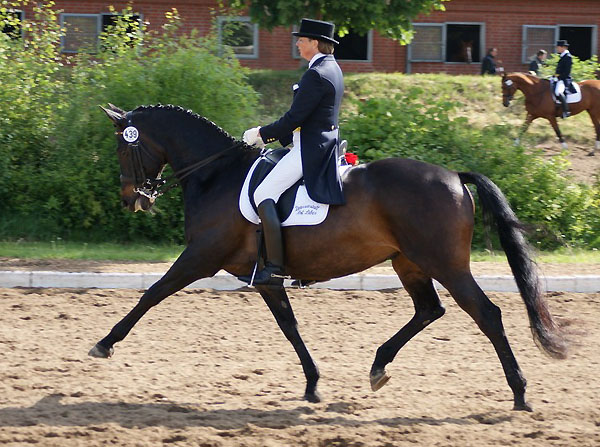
x,y
391,18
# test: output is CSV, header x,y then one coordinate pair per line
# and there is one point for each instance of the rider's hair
x,y
325,47
542,52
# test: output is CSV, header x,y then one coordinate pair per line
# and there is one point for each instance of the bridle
x,y
152,188
506,86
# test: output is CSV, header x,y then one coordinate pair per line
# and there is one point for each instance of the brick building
x,y
452,41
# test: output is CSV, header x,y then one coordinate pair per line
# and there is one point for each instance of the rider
x,y
311,125
563,73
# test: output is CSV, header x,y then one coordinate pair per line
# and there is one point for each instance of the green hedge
x,y
57,148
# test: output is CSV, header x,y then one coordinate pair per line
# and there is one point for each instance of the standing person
x,y
488,65
537,62
311,125
563,73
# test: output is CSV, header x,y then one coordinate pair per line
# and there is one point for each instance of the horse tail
x,y
496,209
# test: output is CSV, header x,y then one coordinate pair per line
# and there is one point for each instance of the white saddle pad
x,y
571,97
305,212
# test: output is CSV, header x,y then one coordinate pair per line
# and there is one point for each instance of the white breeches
x,y
285,173
560,88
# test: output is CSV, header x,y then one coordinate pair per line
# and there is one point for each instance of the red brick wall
x,y
503,29
504,20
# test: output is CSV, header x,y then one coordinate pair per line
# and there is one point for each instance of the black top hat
x,y
316,29
562,43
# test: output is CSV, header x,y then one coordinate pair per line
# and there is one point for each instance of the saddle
x,y
572,91
285,204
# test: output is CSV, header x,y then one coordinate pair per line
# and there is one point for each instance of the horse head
x,y
508,90
141,160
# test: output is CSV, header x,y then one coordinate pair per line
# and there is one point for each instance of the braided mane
x,y
194,115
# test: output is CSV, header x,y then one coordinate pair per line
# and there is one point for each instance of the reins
x,y
156,187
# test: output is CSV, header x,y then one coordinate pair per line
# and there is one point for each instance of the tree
x,y
391,18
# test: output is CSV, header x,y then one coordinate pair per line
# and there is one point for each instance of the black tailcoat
x,y
563,68
315,110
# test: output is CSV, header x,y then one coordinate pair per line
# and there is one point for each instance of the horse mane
x,y
205,121
527,78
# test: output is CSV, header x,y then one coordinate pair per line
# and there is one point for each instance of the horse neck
x,y
527,85
186,139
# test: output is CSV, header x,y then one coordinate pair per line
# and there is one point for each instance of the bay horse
x,y
540,104
419,215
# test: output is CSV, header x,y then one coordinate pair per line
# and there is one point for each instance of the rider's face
x,y
307,47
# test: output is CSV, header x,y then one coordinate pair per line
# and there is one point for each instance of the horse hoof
x,y
591,154
379,379
314,398
523,407
101,352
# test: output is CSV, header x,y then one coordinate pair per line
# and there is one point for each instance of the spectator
x,y
537,62
488,65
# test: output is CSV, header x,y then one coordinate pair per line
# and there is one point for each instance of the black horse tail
x,y
546,332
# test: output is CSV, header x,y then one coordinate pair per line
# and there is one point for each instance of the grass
x,y
146,252
480,98
104,251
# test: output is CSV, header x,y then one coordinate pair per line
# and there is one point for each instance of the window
x,y
351,47
447,42
582,39
82,31
10,24
240,35
428,43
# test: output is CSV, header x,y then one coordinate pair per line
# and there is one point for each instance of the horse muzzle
x,y
138,203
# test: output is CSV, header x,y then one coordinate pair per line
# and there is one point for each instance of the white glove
x,y
252,137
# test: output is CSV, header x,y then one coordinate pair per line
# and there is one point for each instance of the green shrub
x,y
581,69
57,148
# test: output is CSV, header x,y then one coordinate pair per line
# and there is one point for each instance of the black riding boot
x,y
565,106
272,274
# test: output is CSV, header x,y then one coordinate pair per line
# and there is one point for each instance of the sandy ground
x,y
210,368
582,167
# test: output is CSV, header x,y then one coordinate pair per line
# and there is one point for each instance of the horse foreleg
x,y
279,304
182,273
596,122
428,308
488,317
528,119
557,131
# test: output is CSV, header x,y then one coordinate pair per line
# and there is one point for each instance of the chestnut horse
x,y
416,214
539,102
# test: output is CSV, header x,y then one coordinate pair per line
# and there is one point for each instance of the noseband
x,y
153,188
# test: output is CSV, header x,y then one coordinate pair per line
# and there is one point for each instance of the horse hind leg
x,y
279,304
488,317
428,308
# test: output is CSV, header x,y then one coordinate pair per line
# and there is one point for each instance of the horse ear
x,y
115,116
114,108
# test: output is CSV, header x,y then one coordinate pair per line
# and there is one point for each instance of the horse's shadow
x,y
50,411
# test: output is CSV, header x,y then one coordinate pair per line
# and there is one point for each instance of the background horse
x,y
416,214
539,102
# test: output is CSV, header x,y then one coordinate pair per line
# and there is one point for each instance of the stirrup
x,y
271,275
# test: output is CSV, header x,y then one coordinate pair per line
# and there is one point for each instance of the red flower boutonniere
x,y
351,159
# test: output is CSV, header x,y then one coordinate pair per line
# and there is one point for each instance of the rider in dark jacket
x,y
311,125
563,73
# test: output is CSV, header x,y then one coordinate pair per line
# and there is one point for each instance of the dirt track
x,y
212,369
